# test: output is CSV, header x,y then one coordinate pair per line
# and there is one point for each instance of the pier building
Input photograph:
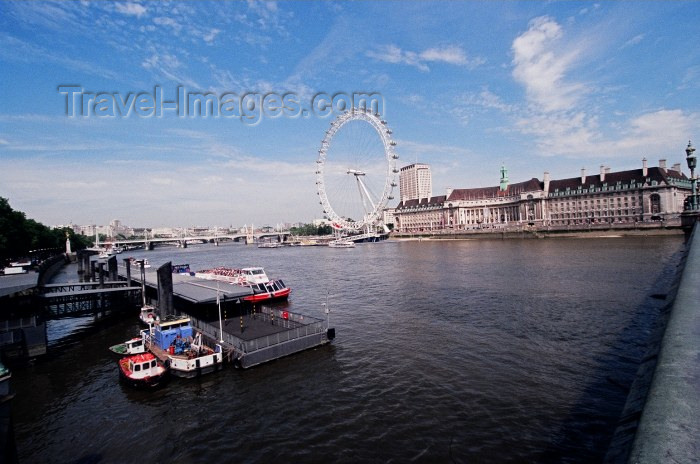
x,y
624,197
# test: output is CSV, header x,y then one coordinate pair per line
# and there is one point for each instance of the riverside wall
x,y
661,418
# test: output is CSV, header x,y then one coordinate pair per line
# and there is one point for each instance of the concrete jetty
x,y
249,334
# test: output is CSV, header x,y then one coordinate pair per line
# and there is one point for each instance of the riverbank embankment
x,y
660,421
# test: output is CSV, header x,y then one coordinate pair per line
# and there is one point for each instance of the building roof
x,y
624,177
433,201
485,193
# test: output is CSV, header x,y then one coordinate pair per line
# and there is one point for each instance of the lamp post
x,y
692,163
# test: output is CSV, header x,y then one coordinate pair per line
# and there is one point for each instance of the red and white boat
x,y
263,288
142,370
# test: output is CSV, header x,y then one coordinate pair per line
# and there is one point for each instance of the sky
x,y
465,86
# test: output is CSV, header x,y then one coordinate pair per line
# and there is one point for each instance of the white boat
x,y
130,347
148,315
187,356
341,244
270,245
264,288
138,262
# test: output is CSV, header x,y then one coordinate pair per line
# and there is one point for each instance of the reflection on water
x,y
469,351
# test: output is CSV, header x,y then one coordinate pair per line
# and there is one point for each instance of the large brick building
x,y
637,195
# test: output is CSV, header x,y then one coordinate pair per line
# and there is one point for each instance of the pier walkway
x,y
13,284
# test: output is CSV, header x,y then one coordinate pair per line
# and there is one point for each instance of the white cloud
x,y
130,9
170,22
541,67
450,54
211,35
633,41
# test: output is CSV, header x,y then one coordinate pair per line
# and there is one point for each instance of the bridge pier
x,y
183,243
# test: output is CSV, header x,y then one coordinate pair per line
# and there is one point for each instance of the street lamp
x,y
692,163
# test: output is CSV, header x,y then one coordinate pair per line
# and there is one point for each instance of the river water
x,y
462,351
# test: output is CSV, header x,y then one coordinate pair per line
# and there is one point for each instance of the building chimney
x,y
546,179
448,192
602,173
645,170
583,176
662,163
677,167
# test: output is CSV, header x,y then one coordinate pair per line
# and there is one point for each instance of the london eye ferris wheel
x,y
356,170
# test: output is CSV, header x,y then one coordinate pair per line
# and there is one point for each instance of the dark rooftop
x,y
485,193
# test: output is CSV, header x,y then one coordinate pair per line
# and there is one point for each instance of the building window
x,y
655,200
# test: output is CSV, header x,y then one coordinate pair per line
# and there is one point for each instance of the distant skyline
x,y
467,86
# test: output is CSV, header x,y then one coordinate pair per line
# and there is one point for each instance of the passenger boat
x,y
186,356
130,347
263,288
270,245
341,244
142,370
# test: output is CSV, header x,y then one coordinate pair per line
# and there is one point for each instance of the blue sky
x,y
466,86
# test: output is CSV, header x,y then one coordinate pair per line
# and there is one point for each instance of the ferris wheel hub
x,y
356,172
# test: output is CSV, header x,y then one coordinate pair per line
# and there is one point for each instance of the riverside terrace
x,y
250,335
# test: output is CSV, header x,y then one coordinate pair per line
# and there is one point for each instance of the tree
x,y
19,235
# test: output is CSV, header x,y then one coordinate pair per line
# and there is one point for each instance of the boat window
x,y
137,367
153,363
281,284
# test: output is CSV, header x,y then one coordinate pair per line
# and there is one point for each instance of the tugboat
x,y
263,288
142,370
134,346
173,341
192,359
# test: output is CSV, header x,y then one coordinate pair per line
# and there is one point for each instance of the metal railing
x,y
298,326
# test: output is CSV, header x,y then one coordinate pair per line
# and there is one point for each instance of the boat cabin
x,y
268,287
166,332
254,275
142,362
135,345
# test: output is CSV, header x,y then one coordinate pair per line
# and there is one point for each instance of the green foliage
x,y
19,235
310,229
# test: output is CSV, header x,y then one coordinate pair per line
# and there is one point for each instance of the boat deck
x,y
257,326
157,352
